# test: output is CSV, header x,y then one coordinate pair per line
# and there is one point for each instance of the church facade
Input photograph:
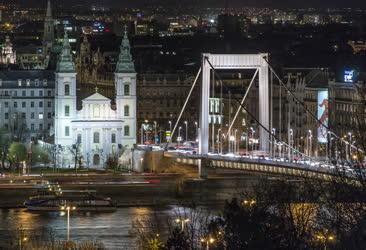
x,y
98,130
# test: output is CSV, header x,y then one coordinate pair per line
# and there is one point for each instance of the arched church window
x,y
127,130
67,89
113,138
67,110
96,137
127,110
127,89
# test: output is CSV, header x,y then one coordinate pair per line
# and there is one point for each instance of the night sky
x,y
209,3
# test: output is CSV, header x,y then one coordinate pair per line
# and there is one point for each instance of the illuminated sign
x,y
323,115
349,75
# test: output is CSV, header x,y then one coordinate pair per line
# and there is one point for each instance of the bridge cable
x,y
183,108
307,110
242,102
255,119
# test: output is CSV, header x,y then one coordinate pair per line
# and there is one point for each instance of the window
x,y
6,126
32,104
23,116
24,93
36,82
49,93
40,104
32,115
49,104
15,93
96,111
67,131
32,127
40,116
44,82
49,115
40,93
127,110
127,89
28,82
113,139
96,137
32,92
41,126
6,116
6,105
24,104
67,89
49,126
67,110
20,82
78,140
127,130
15,104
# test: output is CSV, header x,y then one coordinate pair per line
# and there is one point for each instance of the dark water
x,y
112,229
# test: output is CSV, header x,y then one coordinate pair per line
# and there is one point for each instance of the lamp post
x,y
67,209
155,131
350,144
235,142
273,142
218,140
179,137
170,126
196,137
182,222
208,241
310,144
186,123
290,142
253,132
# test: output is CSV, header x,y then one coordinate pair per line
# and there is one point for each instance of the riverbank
x,y
134,190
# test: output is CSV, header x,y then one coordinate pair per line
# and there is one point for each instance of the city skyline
x,y
205,3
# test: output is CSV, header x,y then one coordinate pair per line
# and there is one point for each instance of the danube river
x,y
112,229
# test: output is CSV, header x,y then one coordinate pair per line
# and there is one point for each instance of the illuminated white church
x,y
97,130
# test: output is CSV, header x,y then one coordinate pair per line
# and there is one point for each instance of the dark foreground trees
x,y
286,214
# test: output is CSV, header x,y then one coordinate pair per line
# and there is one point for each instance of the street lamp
x,y
274,142
182,221
170,126
196,124
67,209
253,132
155,132
179,137
219,140
208,241
236,146
186,123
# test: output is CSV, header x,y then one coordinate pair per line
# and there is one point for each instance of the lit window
x,y
40,116
19,82
28,82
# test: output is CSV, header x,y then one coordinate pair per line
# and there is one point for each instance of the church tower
x,y
48,32
65,95
125,85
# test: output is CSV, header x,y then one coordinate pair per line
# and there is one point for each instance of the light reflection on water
x,y
110,228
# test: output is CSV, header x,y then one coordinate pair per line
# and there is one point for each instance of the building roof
x,y
15,75
96,97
